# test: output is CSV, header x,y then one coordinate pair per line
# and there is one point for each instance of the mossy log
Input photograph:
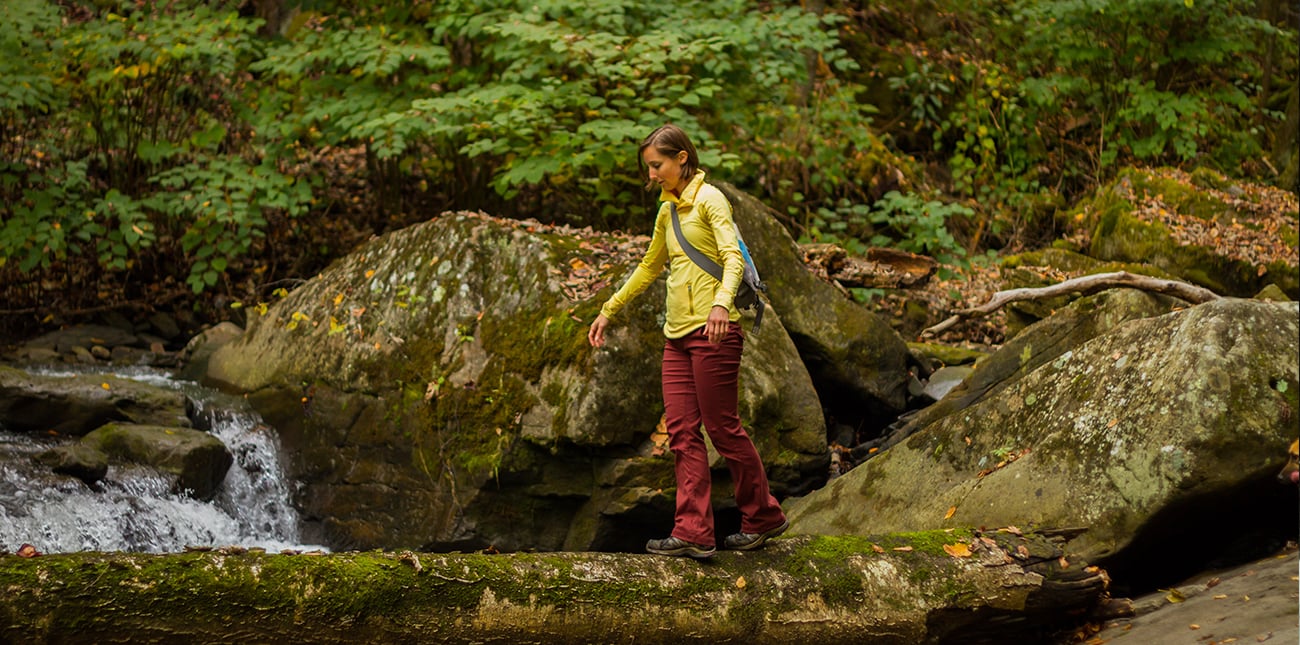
x,y
932,587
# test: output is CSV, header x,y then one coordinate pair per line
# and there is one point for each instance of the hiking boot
x,y
751,541
678,546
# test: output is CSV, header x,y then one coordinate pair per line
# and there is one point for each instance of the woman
x,y
702,353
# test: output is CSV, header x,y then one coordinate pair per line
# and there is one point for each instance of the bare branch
x,y
1082,285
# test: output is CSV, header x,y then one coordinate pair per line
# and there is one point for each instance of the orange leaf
x,y
877,548
902,548
1112,423
949,514
958,550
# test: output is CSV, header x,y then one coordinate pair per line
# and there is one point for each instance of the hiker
x,y
702,352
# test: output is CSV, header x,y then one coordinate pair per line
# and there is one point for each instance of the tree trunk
x,y
954,586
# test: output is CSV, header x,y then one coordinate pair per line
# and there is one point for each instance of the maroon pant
x,y
701,386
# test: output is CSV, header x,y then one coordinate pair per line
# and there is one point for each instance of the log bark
x,y
1082,285
955,586
881,268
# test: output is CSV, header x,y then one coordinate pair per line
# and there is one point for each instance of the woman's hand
x,y
596,335
716,327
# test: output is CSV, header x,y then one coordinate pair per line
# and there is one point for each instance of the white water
x,y
133,508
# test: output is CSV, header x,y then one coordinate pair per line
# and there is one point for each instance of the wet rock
x,y
197,459
85,462
77,404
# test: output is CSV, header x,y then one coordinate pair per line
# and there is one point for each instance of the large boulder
x,y
1183,417
857,361
1038,345
435,389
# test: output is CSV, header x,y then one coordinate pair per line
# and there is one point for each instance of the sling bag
x,y
750,283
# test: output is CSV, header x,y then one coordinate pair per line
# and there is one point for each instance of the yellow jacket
x,y
705,216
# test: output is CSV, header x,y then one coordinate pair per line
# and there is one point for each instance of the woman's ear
x,y
682,157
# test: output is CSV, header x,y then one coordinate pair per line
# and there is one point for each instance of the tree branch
x,y
1083,285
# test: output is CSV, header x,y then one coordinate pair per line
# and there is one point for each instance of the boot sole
x,y
763,538
686,551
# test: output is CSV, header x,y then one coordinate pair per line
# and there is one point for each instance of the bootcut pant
x,y
701,386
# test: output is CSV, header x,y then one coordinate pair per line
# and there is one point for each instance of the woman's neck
x,y
681,185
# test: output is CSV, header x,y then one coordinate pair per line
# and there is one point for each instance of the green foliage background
x,y
210,151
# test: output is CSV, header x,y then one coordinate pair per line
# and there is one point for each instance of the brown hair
x,y
669,140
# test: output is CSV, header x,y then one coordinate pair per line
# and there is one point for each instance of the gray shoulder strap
x,y
701,260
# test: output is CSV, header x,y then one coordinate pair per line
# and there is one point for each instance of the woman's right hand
x,y
596,335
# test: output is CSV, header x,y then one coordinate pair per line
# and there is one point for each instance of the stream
x,y
134,509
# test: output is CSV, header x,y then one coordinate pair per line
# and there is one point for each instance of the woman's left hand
x,y
716,327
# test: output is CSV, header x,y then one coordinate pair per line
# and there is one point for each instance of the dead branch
x,y
1083,285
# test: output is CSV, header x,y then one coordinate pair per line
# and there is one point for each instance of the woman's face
x,y
663,169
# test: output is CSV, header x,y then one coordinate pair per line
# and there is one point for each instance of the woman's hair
x,y
669,140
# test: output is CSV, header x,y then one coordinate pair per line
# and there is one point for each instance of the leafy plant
x,y
919,226
1144,79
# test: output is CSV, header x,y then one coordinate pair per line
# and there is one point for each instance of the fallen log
x,y
1083,285
881,267
954,586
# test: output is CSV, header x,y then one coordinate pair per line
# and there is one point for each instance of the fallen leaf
x,y
951,511
1220,596
1211,582
1174,595
877,548
740,582
1064,564
1245,598
902,548
104,385
958,550
1010,529
1112,423
27,551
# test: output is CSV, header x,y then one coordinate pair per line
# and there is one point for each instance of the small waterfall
x,y
134,509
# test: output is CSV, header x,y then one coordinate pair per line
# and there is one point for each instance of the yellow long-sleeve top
x,y
705,216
